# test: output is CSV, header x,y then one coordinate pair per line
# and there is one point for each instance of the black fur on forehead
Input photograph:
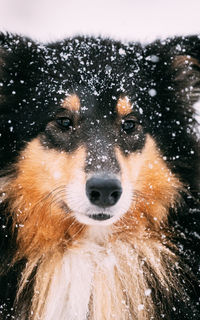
x,y
96,64
35,79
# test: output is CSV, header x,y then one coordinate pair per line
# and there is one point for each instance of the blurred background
x,y
138,20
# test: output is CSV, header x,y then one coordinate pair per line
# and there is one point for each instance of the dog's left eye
x,y
129,125
64,122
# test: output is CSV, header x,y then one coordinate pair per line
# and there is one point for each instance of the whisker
x,y
51,195
78,232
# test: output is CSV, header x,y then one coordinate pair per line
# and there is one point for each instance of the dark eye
x,y
64,122
129,125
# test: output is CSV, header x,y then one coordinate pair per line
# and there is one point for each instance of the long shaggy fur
x,y
144,265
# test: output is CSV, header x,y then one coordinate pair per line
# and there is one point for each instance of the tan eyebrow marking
x,y
72,103
124,106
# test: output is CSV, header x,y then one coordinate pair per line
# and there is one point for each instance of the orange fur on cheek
x,y
38,192
155,188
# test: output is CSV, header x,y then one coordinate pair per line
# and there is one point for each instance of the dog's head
x,y
98,132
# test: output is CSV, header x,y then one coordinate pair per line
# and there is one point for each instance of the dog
x,y
99,179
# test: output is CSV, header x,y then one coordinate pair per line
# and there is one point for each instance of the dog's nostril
x,y
95,195
115,196
103,191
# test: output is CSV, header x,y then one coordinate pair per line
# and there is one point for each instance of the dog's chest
x,y
84,277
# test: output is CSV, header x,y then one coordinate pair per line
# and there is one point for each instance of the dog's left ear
x,y
186,67
176,65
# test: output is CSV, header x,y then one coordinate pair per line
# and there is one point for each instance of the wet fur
x,y
145,265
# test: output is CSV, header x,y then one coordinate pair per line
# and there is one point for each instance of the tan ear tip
x,y
184,61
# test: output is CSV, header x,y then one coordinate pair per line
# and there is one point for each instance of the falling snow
x,y
100,72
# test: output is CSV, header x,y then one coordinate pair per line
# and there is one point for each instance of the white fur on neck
x,y
73,281
99,280
70,288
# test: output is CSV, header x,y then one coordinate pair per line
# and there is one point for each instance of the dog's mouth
x,y
94,216
100,216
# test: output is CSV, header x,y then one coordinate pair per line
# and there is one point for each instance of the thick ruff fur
x,y
83,113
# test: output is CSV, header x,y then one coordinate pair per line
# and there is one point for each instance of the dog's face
x,y
95,121
97,163
98,150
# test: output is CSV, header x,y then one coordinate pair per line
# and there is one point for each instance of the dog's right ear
x,y
21,97
16,55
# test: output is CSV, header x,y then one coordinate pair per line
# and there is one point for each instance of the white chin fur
x,y
79,204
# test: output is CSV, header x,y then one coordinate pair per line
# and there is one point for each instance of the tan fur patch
x,y
181,61
37,195
155,189
124,106
72,103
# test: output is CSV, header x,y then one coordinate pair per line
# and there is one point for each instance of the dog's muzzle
x,y
104,192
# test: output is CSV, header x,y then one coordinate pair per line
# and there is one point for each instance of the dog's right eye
x,y
64,122
129,125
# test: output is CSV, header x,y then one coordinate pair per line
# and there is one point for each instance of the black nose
x,y
103,191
